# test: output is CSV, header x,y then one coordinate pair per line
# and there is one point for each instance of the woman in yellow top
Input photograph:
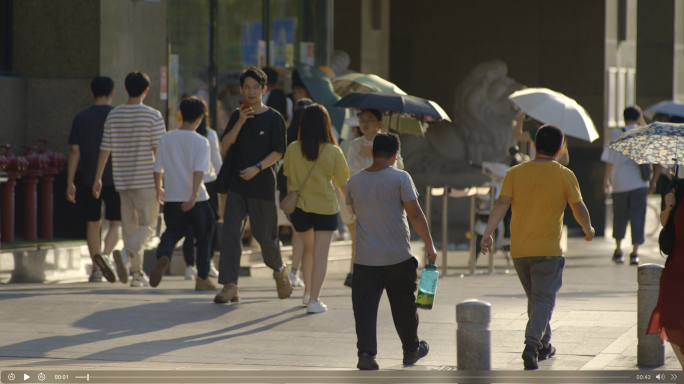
x,y
315,218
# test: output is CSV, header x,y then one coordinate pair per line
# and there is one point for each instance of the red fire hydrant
x,y
37,163
15,166
57,160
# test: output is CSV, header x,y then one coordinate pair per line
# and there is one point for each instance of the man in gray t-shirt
x,y
382,230
382,198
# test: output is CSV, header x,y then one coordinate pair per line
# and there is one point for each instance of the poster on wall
x,y
261,56
252,33
174,113
307,53
163,83
282,37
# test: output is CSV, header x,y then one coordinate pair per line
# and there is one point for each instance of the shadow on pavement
x,y
137,321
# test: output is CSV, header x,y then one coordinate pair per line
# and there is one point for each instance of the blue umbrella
x,y
395,105
320,87
671,107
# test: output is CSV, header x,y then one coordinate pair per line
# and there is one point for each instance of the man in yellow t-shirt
x,y
537,192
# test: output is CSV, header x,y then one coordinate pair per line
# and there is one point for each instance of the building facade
x,y
604,54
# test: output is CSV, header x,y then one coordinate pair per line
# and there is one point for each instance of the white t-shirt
x,y
215,157
626,174
180,153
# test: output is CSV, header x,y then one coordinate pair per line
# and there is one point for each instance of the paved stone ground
x,y
112,326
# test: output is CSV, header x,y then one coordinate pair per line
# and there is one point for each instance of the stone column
x,y
473,352
650,349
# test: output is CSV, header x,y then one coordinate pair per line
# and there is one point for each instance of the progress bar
x,y
331,376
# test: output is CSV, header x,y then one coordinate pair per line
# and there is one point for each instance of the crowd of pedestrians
x,y
274,146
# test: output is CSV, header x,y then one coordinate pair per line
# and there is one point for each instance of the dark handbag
x,y
226,173
667,237
646,171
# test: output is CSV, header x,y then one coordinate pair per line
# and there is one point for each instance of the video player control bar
x,y
331,376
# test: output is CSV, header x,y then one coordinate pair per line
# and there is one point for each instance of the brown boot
x,y
283,284
204,284
159,271
229,294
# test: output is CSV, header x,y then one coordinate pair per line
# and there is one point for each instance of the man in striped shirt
x,y
131,134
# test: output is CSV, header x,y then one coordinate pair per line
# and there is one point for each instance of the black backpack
x,y
667,237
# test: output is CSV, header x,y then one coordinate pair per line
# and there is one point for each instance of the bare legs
x,y
112,237
94,241
297,250
315,260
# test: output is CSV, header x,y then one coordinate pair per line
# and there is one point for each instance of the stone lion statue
x,y
483,119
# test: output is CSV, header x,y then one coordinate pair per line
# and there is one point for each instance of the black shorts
x,y
93,206
303,221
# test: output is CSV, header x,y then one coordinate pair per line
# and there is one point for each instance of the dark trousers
x,y
263,219
400,282
541,278
201,219
630,207
189,242
189,245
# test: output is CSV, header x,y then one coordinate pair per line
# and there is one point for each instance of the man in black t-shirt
x,y
254,141
85,138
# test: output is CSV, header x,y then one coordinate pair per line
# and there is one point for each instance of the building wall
x,y
60,46
12,110
655,53
133,37
55,59
347,31
678,82
375,35
554,44
56,39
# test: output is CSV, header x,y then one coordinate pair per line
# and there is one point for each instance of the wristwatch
x,y
258,165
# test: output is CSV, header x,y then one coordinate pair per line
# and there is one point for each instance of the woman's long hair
x,y
315,128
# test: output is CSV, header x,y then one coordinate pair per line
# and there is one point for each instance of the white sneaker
x,y
296,281
316,307
139,280
306,299
213,272
190,273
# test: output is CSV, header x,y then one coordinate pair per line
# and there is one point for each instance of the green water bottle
x,y
427,287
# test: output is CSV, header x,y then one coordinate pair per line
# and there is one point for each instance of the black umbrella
x,y
395,105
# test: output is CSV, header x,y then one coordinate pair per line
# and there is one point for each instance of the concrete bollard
x,y
650,349
473,352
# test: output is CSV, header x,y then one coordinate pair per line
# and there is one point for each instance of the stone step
x,y
72,263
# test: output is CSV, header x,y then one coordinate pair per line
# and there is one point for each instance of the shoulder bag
x,y
289,203
226,173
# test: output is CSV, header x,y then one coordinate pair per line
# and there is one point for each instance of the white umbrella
x,y
550,107
670,107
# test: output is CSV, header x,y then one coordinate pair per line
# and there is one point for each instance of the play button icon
x,y
26,377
